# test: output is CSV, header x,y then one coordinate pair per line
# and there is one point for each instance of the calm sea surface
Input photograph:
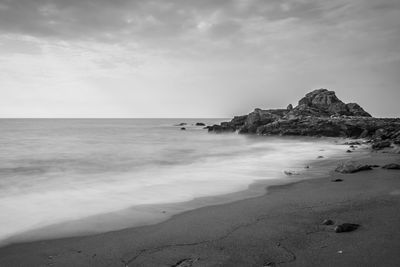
x,y
56,170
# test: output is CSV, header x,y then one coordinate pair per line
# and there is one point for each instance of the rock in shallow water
x,y
289,173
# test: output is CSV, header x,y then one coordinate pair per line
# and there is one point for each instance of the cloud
x,y
251,49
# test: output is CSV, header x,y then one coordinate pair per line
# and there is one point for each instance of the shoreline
x,y
146,215
246,232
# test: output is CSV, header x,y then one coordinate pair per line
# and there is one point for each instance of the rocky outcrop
x,y
326,103
318,113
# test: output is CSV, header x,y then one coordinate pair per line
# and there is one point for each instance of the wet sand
x,y
281,228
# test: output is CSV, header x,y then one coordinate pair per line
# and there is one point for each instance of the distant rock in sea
x,y
318,113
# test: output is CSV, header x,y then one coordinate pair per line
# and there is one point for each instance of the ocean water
x,y
58,170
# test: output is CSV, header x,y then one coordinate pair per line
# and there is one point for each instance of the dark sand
x,y
282,227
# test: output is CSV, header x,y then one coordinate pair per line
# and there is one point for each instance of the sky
x,y
194,58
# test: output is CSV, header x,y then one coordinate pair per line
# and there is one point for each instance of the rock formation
x,y
318,113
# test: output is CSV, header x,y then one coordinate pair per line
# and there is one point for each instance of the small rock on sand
x,y
346,227
352,167
392,166
337,180
185,262
327,222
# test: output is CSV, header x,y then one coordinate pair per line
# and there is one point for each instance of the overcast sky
x,y
194,58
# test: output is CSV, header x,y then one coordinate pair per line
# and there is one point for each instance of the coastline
x,y
143,215
149,214
246,232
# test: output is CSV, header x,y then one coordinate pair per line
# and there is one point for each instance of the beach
x,y
281,228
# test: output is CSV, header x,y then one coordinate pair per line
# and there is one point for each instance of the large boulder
x,y
324,101
328,104
260,117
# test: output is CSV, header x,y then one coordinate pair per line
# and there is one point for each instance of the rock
x,y
351,144
200,124
289,173
337,180
392,166
346,227
327,222
355,110
257,118
364,133
381,134
380,145
318,113
181,124
183,128
221,128
325,101
186,262
320,157
349,151
352,167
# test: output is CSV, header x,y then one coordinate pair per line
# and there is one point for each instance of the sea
x,y
54,171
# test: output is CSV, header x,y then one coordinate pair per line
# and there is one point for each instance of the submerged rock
x,y
200,124
352,167
183,128
346,227
289,173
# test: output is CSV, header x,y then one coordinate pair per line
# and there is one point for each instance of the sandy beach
x,y
281,228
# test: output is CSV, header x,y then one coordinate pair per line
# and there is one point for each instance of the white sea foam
x,y
53,171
